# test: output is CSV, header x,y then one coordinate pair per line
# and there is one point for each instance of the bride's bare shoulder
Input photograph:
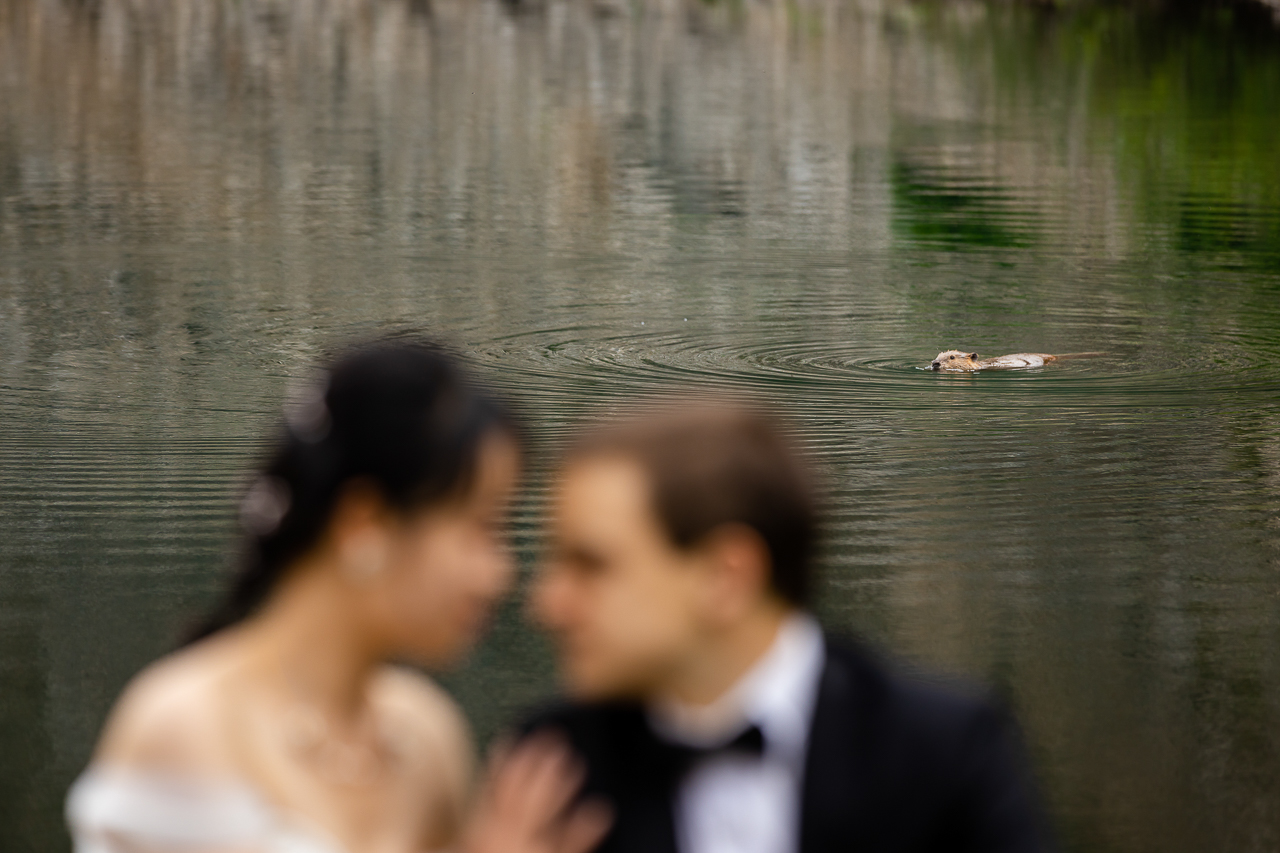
x,y
170,716
436,738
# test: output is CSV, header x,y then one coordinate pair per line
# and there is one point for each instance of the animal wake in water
x,y
957,361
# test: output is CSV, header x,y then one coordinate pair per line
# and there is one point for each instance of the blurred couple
x,y
706,713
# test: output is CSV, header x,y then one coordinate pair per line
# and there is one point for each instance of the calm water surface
x,y
805,200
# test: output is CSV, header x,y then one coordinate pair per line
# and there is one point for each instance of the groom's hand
x,y
529,802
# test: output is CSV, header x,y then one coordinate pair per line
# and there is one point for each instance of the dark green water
x,y
807,200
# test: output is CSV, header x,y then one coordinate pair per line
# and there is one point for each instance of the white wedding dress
x,y
122,810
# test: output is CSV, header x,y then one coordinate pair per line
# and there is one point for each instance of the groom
x,y
708,707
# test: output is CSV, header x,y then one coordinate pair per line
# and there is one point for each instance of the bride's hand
x,y
528,803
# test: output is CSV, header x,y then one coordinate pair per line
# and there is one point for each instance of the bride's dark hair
x,y
397,414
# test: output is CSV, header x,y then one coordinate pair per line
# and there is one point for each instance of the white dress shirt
x,y
733,803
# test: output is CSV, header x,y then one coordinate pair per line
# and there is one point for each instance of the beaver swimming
x,y
967,362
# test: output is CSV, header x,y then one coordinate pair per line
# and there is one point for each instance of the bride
x,y
374,535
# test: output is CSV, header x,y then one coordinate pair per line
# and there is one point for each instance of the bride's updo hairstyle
x,y
396,414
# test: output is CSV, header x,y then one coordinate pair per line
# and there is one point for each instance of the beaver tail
x,y
1079,355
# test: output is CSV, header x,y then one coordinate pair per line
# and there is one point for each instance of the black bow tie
x,y
749,743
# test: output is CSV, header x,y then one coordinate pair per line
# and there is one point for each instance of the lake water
x,y
807,200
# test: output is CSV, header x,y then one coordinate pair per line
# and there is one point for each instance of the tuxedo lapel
x,y
636,772
647,826
834,796
904,764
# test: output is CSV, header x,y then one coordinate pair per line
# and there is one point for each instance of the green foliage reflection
x,y
946,210
1183,98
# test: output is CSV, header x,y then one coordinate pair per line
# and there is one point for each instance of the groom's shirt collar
x,y
777,694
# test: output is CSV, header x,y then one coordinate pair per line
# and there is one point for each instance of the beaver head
x,y
954,359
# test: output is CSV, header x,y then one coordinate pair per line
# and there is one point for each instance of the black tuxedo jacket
x,y
893,764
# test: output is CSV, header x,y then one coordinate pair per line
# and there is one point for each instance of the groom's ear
x,y
736,561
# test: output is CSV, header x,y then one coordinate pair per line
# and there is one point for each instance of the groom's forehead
x,y
605,492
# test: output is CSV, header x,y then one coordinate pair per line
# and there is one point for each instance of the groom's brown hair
x,y
710,463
